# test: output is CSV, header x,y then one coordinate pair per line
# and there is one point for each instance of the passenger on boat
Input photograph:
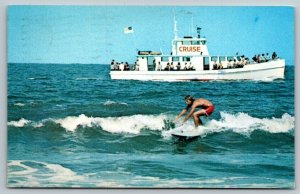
x,y
185,66
206,106
215,66
178,66
126,67
167,68
158,66
116,66
172,66
262,58
190,67
267,57
229,66
258,58
220,65
154,63
122,66
112,65
274,56
235,64
243,62
137,66
254,59
247,61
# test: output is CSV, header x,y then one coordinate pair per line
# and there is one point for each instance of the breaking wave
x,y
110,102
128,124
28,173
19,104
38,78
241,123
20,123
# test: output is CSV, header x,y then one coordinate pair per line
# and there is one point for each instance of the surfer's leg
x,y
196,115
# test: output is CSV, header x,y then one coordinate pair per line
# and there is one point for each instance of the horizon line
x,y
46,63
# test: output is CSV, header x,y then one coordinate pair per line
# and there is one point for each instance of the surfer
x,y
207,109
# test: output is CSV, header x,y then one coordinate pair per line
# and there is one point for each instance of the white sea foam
x,y
37,78
126,124
244,123
266,79
241,123
52,174
19,104
110,102
38,125
20,123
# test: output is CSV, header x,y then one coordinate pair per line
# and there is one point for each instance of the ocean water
x,y
69,125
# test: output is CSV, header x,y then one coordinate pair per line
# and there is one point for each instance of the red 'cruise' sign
x,y
189,49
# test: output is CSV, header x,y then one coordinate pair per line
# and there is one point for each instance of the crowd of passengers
x,y
171,67
242,61
261,58
232,63
236,62
119,66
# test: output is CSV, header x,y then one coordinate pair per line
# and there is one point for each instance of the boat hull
x,y
258,71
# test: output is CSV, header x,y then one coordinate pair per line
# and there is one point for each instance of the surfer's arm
x,y
188,116
180,115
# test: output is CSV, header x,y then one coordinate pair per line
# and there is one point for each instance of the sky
x,y
94,34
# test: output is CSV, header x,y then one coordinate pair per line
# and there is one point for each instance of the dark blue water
x,y
71,126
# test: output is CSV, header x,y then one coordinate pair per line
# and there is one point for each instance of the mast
x,y
175,27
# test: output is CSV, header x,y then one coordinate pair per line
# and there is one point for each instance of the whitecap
x,y
21,123
19,104
245,124
110,102
30,175
126,124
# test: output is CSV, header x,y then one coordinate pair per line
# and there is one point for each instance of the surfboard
x,y
184,133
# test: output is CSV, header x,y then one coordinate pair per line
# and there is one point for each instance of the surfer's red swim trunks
x,y
209,110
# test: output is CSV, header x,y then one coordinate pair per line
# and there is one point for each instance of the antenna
x,y
198,31
175,26
192,25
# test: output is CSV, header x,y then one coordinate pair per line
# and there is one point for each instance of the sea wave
x,y
241,123
20,123
110,102
128,124
244,124
19,104
38,78
28,173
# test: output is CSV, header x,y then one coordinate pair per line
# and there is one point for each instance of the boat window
x,y
214,58
206,60
206,63
186,59
175,58
203,42
165,59
222,59
238,58
186,42
195,42
229,58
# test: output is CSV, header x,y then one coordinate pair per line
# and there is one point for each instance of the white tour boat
x,y
190,60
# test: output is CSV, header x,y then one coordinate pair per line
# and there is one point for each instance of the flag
x,y
128,30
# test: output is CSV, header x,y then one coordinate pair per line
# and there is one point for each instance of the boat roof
x,y
191,38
